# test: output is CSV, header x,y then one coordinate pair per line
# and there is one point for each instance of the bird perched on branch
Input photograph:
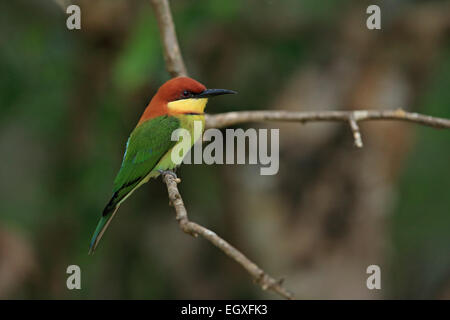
x,y
178,104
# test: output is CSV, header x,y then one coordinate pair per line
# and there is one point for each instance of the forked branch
x,y
227,119
176,67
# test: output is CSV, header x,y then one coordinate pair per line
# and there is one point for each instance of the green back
x,y
147,144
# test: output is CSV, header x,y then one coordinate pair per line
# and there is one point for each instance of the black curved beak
x,y
214,92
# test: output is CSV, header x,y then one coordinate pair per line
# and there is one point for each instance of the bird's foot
x,y
171,173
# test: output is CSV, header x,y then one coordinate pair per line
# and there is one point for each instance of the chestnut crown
x,y
187,88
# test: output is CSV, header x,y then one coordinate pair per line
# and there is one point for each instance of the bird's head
x,y
185,95
181,95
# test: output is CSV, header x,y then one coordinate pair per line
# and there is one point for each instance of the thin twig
x,y
232,118
355,130
263,279
227,119
172,54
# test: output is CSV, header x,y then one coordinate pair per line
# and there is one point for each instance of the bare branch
x,y
232,118
263,279
172,54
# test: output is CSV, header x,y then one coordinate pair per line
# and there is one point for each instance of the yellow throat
x,y
187,106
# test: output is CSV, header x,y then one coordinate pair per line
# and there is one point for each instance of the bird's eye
x,y
186,93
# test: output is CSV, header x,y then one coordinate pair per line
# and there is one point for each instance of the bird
x,y
178,103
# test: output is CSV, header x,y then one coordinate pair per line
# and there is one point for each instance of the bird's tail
x,y
103,224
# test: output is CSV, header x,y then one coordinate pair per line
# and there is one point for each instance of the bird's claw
x,y
169,172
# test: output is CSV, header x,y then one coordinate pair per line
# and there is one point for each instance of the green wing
x,y
147,144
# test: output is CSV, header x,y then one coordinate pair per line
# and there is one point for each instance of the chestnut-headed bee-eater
x,y
177,104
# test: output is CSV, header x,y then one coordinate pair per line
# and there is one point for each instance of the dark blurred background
x,y
69,99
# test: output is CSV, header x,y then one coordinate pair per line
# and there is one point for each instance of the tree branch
x,y
172,54
232,118
263,279
222,120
